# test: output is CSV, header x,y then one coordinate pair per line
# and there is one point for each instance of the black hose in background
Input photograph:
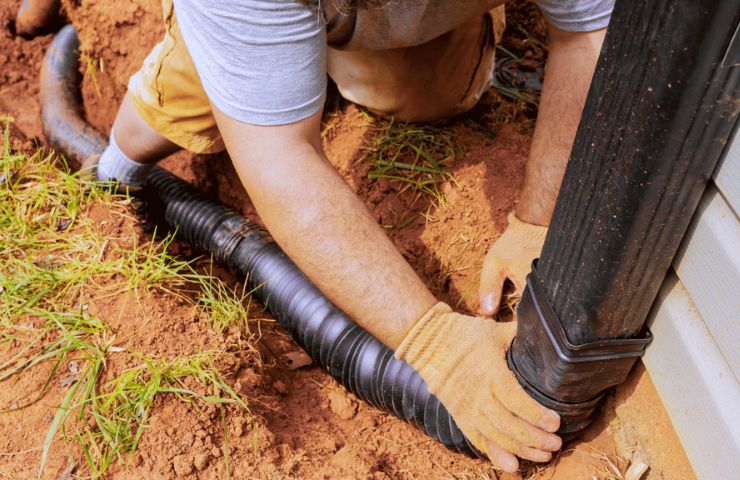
x,y
349,353
61,102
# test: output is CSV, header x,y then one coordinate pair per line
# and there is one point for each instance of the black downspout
x,y
662,106
349,353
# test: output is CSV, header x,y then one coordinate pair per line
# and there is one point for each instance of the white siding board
x,y
727,175
700,393
708,264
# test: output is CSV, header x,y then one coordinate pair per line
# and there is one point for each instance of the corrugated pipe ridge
x,y
355,358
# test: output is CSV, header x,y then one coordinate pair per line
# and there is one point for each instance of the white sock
x,y
115,165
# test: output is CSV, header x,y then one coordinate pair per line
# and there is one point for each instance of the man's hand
x,y
509,257
571,61
463,362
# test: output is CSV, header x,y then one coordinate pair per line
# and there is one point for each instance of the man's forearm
x,y
571,62
326,230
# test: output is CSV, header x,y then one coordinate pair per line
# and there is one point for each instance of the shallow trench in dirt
x,y
306,425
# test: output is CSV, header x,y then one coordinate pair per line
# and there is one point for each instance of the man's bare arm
x,y
571,62
324,227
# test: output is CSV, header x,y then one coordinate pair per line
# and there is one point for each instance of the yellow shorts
x,y
425,83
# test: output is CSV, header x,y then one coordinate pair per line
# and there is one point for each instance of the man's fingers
x,y
501,458
507,332
508,391
502,449
496,446
534,454
501,439
491,286
520,431
519,279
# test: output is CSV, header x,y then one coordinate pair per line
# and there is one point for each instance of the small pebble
x,y
280,387
201,461
283,450
183,465
187,439
342,406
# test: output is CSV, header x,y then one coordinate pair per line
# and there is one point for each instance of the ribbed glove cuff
x,y
423,331
526,230
423,346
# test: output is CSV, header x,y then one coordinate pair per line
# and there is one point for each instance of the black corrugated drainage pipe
x,y
62,117
38,17
662,105
349,353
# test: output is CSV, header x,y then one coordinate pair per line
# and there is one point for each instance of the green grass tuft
x,y
54,259
120,407
414,156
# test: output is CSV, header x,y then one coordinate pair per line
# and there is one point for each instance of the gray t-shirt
x,y
260,61
577,15
263,62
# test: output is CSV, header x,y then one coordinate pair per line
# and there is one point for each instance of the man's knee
x,y
424,83
136,138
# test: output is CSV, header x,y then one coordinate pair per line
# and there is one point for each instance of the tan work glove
x,y
462,359
509,257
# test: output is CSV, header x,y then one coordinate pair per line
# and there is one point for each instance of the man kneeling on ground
x,y
250,76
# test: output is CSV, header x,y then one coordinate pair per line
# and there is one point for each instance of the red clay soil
x,y
305,425
20,61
